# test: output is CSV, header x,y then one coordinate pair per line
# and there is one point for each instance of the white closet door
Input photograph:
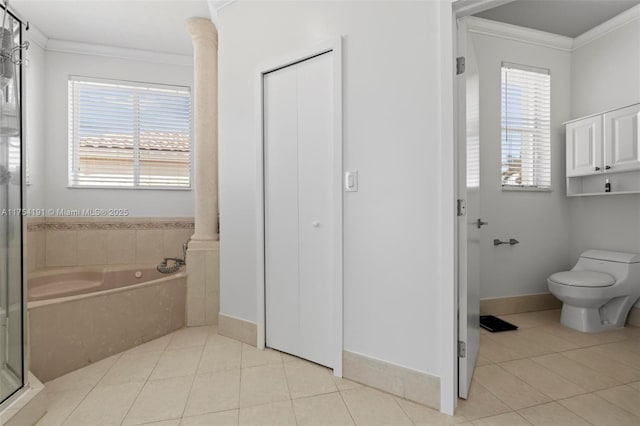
x,y
298,120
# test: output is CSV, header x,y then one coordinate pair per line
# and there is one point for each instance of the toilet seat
x,y
583,279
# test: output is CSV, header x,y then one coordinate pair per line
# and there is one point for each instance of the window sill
x,y
128,188
526,189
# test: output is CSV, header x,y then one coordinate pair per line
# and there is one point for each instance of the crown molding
x,y
64,46
516,33
215,6
606,27
464,8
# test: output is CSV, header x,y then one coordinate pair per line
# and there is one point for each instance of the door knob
x,y
479,222
597,168
315,224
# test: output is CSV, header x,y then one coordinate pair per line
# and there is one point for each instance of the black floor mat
x,y
495,324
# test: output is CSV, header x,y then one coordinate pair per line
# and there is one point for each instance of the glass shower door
x,y
11,293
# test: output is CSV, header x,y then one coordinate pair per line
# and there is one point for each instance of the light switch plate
x,y
351,181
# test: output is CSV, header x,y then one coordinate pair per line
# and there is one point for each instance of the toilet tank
x,y
617,264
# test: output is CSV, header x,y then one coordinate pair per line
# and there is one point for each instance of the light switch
x,y
351,181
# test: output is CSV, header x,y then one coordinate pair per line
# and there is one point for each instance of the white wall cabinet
x,y
604,146
584,146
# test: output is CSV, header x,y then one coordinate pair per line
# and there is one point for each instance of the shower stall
x,y
12,296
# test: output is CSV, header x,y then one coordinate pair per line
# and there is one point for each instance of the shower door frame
x,y
23,318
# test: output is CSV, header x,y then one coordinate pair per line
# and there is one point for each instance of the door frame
x,y
335,46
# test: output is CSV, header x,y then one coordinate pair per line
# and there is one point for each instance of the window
x,y
526,127
129,135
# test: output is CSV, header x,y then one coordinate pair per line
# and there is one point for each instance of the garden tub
x,y
80,315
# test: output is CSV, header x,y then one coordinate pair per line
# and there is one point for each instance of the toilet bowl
x,y
598,293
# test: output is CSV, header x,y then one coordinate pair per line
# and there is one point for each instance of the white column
x,y
203,282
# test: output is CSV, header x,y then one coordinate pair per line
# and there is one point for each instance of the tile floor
x,y
542,374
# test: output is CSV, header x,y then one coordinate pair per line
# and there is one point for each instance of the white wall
x,y
59,66
391,136
34,133
539,220
605,75
606,72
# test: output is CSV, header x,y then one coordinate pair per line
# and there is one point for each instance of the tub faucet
x,y
178,263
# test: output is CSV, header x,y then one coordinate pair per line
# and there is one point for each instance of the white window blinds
x,y
526,127
129,135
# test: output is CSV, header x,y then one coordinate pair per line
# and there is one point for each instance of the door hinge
x,y
460,66
462,207
462,349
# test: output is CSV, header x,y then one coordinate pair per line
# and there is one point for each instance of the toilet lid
x,y
583,279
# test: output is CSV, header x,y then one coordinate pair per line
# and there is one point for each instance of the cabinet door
x,y
584,146
621,139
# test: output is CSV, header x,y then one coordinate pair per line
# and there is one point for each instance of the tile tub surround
x,y
81,241
69,333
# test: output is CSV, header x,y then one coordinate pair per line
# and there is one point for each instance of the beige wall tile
x,y
173,240
149,246
35,250
212,287
92,247
196,308
121,247
61,248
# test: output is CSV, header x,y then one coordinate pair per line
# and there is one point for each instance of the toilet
x,y
598,293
